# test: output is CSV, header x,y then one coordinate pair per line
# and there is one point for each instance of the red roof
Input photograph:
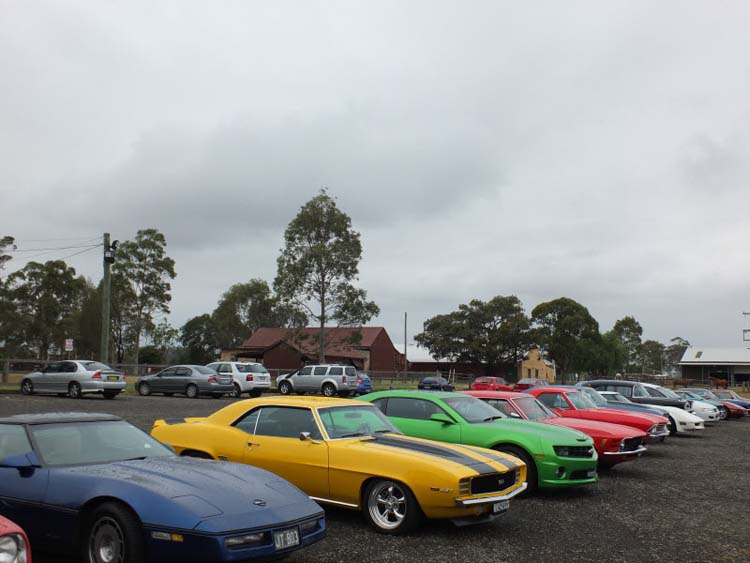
x,y
338,340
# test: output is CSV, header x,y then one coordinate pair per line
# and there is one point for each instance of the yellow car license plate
x,y
286,538
499,507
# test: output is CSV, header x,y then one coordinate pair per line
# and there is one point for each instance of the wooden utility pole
x,y
107,259
406,363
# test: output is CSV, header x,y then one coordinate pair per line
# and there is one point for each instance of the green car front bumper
x,y
556,472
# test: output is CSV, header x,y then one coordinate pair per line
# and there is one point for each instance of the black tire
x,y
193,453
110,396
27,387
144,389
217,395
113,533
74,390
285,388
532,479
168,394
672,427
191,391
236,391
255,393
381,501
329,390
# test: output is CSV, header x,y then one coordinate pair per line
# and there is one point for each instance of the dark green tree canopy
x,y
651,354
6,242
563,326
140,281
629,332
245,307
318,265
491,333
199,337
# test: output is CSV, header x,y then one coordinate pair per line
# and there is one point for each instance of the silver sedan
x,y
187,380
75,378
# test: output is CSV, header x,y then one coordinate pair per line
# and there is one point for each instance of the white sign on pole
x,y
68,344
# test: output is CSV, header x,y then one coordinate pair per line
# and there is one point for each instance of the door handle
x,y
251,444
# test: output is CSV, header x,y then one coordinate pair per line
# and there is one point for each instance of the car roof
x,y
305,401
496,394
613,381
417,393
57,417
560,388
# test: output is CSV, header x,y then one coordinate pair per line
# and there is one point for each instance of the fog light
x,y
560,472
307,526
245,539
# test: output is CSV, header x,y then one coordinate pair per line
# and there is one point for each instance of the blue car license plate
x,y
286,538
499,507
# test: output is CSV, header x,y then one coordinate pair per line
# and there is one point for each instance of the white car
x,y
706,411
248,377
680,420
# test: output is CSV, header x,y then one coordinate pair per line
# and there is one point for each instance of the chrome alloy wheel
x,y
106,542
387,505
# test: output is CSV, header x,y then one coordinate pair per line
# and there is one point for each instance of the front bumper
x,y
611,456
690,426
492,499
561,472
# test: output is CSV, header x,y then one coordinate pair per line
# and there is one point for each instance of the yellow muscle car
x,y
348,454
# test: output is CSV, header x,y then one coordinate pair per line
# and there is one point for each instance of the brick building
x,y
367,348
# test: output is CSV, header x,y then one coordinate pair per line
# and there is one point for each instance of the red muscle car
x,y
490,384
571,403
614,443
14,545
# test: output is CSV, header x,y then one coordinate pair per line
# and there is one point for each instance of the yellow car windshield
x,y
352,421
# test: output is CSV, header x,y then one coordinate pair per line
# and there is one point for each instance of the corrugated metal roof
x,y
695,355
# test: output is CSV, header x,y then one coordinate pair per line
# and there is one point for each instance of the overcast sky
x,y
594,150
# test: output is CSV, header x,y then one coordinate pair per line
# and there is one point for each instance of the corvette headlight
x,y
237,541
12,549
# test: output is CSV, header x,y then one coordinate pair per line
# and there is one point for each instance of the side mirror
x,y
306,437
28,460
514,415
442,417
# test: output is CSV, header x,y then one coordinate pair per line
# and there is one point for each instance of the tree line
x,y
497,333
42,304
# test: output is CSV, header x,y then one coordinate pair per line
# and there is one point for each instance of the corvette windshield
x,y
473,410
355,421
81,443
533,409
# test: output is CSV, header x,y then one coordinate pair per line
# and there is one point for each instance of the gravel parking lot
x,y
685,500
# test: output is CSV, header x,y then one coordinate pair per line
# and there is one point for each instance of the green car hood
x,y
555,435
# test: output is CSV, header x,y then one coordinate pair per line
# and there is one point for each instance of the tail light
x,y
97,375
343,379
249,377
359,380
212,379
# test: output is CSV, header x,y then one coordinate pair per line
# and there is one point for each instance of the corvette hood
x,y
189,493
595,427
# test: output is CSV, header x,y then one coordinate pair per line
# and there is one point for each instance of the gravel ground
x,y
685,500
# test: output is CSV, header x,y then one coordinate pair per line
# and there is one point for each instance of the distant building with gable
x,y
534,364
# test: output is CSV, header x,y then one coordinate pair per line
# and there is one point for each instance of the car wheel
x,y
390,507
217,395
115,534
672,427
255,393
27,387
191,391
74,390
144,389
329,390
110,396
285,388
236,392
532,480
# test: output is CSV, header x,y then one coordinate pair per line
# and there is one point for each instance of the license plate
x,y
500,506
286,538
591,474
113,378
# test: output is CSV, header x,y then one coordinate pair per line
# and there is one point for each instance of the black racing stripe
x,y
174,420
437,451
495,457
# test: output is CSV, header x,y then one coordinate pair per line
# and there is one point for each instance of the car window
x,y
96,366
305,371
220,368
247,423
532,408
53,368
204,370
286,422
593,396
169,372
553,400
418,409
472,409
428,380
382,404
251,368
503,405
320,370
336,371
69,367
351,421
580,401
483,380
639,392
654,392
181,372
13,440
351,371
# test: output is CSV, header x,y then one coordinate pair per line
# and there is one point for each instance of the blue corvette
x,y
94,483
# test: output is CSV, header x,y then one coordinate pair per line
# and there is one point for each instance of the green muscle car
x,y
555,457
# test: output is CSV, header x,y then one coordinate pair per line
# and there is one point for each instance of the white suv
x,y
249,377
331,380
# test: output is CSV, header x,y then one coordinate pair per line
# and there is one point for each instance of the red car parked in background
x,y
490,384
571,403
14,545
528,383
614,443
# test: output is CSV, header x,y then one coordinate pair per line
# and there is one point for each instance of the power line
x,y
80,239
80,252
54,248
